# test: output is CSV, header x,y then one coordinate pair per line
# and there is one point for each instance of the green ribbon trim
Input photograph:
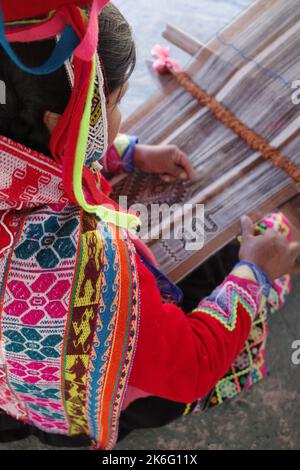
x,y
120,219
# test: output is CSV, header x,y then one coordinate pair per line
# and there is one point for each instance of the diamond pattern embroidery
x,y
224,303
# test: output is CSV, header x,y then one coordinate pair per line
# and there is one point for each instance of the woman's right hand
x,y
272,252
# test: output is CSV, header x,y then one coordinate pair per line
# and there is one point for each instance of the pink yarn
x,y
163,62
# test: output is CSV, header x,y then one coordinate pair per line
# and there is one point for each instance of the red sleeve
x,y
181,357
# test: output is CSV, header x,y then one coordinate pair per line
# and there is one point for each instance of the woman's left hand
x,y
168,161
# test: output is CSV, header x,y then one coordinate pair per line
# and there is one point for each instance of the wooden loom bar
x,y
181,39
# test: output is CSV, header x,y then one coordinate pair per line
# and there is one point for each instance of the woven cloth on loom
x,y
255,141
249,68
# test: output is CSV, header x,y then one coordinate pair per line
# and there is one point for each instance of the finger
x,y
183,161
247,225
168,179
275,237
295,249
177,172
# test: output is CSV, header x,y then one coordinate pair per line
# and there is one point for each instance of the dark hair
x,y
29,96
116,47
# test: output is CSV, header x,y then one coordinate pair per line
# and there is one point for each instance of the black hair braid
x,y
29,96
21,118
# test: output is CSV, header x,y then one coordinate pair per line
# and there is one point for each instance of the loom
x,y
250,68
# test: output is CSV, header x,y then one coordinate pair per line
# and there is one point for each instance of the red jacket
x,y
181,357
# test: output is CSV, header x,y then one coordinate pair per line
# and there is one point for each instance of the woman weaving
x,y
85,318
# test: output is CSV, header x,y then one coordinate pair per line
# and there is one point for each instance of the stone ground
x,y
268,416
